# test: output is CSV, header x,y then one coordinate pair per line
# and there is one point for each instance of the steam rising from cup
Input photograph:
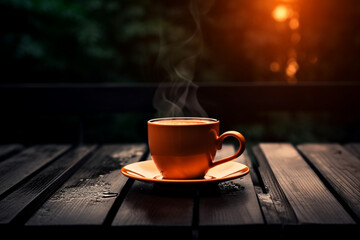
x,y
177,97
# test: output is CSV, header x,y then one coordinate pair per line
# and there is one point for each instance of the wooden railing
x,y
119,97
220,100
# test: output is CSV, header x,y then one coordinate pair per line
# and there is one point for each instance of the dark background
x,y
105,41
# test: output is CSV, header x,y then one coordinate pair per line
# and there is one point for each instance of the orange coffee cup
x,y
185,147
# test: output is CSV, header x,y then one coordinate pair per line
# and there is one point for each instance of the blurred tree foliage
x,y
57,41
119,40
77,40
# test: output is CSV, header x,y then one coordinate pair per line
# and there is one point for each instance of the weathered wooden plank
x,y
7,150
22,165
24,199
311,201
87,197
232,202
353,148
274,204
340,168
185,206
149,204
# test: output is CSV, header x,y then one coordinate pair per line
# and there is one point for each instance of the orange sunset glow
x,y
281,13
287,14
277,40
222,40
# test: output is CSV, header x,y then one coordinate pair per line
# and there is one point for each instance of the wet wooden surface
x,y
67,190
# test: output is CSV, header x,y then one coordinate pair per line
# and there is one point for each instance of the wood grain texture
x,y
339,167
33,192
311,201
86,198
149,204
7,150
275,206
232,202
22,165
353,148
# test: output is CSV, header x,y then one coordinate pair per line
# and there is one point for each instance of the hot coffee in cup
x,y
185,147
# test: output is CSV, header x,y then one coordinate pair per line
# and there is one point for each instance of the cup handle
x,y
220,140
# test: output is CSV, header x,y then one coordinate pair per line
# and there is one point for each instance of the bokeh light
x,y
281,13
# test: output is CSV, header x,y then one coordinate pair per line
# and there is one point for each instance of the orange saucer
x,y
147,171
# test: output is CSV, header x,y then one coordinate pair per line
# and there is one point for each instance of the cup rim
x,y
211,120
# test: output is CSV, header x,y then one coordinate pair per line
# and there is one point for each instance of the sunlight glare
x,y
281,13
292,68
294,23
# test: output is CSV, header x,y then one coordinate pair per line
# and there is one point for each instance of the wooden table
x,y
64,190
